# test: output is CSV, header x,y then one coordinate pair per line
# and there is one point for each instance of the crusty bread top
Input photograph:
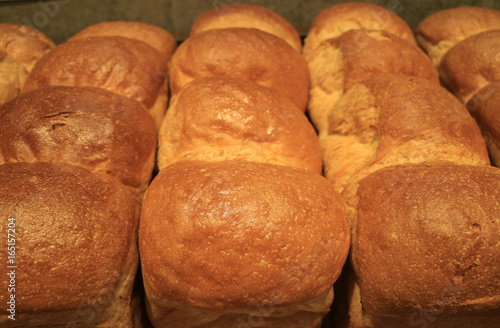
x,y
248,16
90,127
24,44
334,21
456,24
391,119
218,118
243,53
155,36
236,234
471,64
125,66
73,236
12,77
365,52
427,236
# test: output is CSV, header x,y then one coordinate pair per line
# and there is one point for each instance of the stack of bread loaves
x,y
414,173
75,162
239,228
464,43
20,48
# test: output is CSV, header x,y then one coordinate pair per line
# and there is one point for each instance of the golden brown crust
x,y
90,127
392,119
248,16
334,21
337,64
219,118
12,77
471,64
440,31
24,44
155,36
76,252
127,67
270,235
484,107
437,225
243,53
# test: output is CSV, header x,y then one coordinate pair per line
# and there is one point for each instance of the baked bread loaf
x,y
440,31
248,16
90,127
24,44
155,36
334,21
484,107
12,77
243,53
75,247
229,242
425,247
338,64
124,66
220,118
391,119
471,64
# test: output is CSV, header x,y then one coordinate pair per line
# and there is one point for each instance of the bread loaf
x,y
24,44
227,242
247,16
90,127
337,64
75,247
243,53
471,64
440,31
154,36
124,66
425,247
392,119
336,20
220,118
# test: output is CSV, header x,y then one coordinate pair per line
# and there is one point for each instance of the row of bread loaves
x,y
77,151
414,174
464,44
239,227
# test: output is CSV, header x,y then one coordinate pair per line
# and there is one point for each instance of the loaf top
x,y
218,118
24,44
439,223
155,36
239,235
471,64
334,21
74,232
245,53
121,65
457,24
248,16
91,127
